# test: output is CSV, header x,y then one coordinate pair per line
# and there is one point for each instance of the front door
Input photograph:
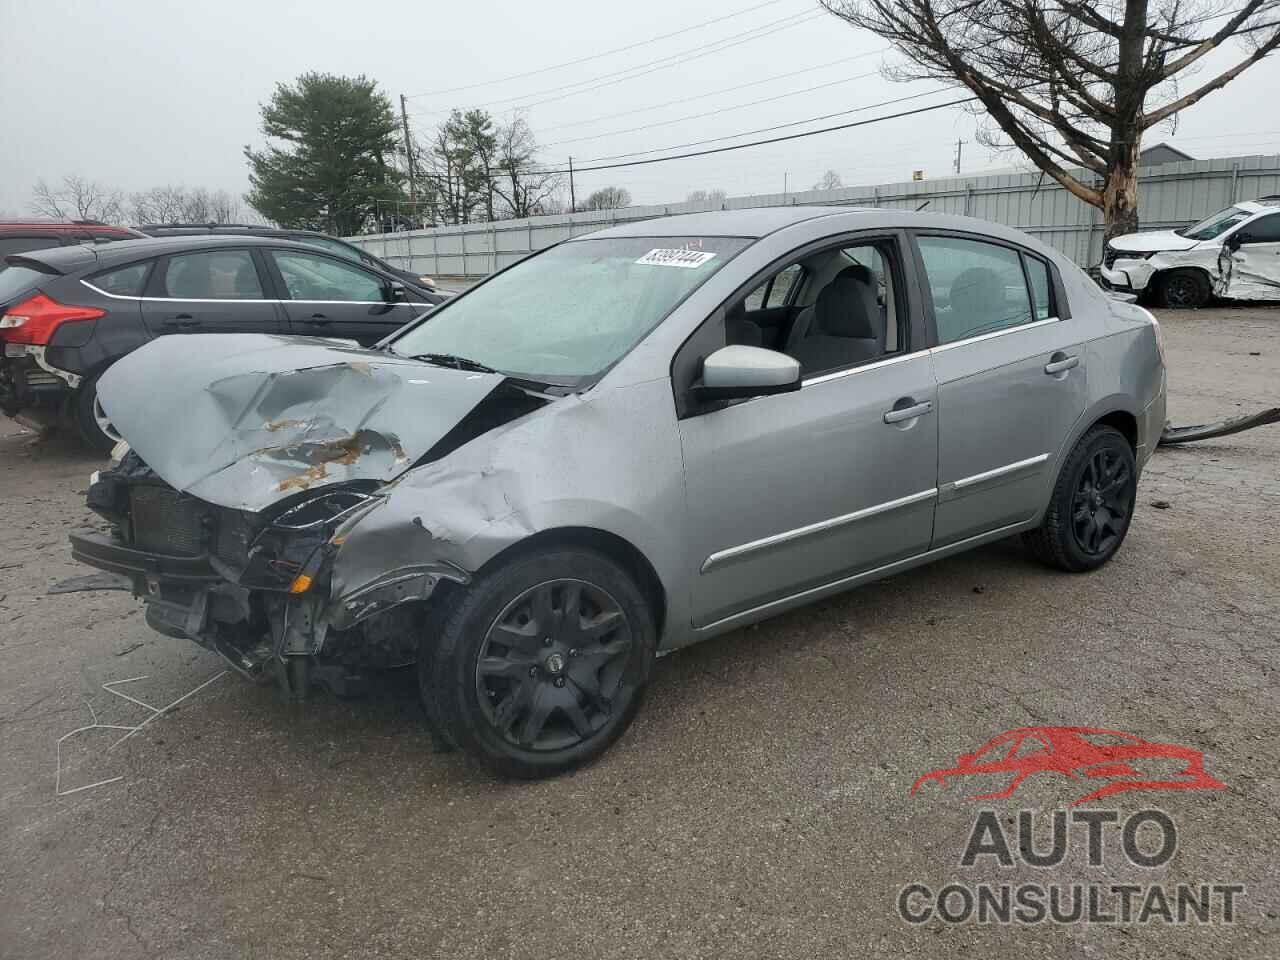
x,y
1255,262
327,296
210,291
799,490
1011,383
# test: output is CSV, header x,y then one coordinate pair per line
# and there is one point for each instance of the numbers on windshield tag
x,y
688,259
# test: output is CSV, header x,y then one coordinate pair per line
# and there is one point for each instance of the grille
x,y
234,537
166,522
1109,256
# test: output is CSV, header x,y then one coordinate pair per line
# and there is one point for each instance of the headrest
x,y
977,295
847,306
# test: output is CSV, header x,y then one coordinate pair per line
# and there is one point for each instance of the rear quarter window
x,y
127,281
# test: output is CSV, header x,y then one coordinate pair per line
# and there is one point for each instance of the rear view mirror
x,y
397,292
1238,238
739,371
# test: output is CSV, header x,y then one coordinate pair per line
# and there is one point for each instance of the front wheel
x,y
1092,504
541,664
1185,289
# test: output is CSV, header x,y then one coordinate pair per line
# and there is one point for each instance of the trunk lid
x,y
246,420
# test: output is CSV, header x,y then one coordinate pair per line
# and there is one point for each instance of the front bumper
x,y
1127,276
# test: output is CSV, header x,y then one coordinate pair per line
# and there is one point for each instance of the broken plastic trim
x,y
1219,428
392,589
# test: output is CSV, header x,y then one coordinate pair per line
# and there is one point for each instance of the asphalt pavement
x,y
761,804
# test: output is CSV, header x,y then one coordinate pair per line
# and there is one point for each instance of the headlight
x,y
427,281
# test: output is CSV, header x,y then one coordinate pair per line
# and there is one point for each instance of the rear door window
x,y
1041,297
977,287
215,275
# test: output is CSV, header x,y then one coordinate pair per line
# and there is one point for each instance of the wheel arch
x,y
616,548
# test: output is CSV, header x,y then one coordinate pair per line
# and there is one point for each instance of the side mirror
x,y
738,371
1236,239
397,292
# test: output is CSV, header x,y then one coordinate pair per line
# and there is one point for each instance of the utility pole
x,y
573,203
959,145
408,153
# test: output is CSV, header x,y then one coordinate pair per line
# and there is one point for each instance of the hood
x,y
1151,241
246,420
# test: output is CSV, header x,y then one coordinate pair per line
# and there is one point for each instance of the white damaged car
x,y
1235,253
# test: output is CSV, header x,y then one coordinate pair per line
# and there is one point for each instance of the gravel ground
x,y
759,807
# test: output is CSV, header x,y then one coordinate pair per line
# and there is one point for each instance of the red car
x,y
20,236
1076,752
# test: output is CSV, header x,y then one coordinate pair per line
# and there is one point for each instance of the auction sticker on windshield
x,y
689,259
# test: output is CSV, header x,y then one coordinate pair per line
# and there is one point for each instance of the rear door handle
x,y
900,413
1062,364
181,320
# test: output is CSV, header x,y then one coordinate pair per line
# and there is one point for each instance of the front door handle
x,y
317,320
907,409
181,320
1061,363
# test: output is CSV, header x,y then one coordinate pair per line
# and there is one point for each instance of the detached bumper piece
x,y
1221,428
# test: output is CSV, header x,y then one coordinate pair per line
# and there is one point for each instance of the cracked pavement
x,y
758,807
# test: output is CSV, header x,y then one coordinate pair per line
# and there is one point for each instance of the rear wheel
x,y
1092,504
1185,289
91,420
541,664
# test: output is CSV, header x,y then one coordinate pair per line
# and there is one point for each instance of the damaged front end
x,y
230,516
256,588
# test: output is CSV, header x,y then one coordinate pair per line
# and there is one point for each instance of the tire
x,y
1184,289
92,423
510,653
1086,521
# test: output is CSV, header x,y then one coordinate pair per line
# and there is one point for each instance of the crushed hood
x,y
245,420
1151,241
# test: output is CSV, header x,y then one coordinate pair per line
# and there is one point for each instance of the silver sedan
x,y
627,443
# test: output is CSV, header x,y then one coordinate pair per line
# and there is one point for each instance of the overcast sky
x,y
139,93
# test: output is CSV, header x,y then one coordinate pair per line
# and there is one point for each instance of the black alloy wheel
x,y
1102,503
552,664
1185,289
539,664
1091,505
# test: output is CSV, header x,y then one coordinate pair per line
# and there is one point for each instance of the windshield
x,y
573,311
1216,225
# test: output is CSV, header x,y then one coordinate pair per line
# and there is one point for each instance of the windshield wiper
x,y
455,361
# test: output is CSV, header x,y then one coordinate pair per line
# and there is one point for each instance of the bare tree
x,y
1068,82
77,198
707,196
830,181
524,189
170,204
608,198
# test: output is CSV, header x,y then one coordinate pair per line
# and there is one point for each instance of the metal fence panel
x,y
1173,194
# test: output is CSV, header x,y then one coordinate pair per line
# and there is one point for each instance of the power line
x,y
597,56
718,110
760,143
780,126
712,93
653,66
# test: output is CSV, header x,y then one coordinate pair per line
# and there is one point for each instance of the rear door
x,y
1011,381
221,290
327,295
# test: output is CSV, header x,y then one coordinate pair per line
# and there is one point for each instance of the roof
x,y
1159,153
67,259
749,222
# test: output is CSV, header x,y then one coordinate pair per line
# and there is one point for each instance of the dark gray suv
x,y
68,313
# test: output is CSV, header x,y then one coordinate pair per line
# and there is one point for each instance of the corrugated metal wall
x,y
1172,194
